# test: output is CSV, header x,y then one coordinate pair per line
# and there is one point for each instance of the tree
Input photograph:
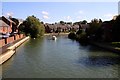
x,y
95,26
116,29
70,23
72,35
21,28
81,35
100,21
33,27
42,22
84,22
62,22
77,23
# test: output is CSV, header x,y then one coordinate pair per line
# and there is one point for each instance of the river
x,y
63,58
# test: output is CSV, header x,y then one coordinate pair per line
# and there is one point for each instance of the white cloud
x,y
78,17
9,14
45,13
109,16
79,12
68,18
45,17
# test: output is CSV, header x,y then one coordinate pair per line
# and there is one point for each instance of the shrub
x,y
72,35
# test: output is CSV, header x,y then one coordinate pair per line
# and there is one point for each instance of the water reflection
x,y
99,61
43,58
98,57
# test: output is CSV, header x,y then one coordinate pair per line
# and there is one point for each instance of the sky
x,y
59,0
51,12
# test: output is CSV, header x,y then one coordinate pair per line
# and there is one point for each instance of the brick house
x,y
49,28
4,28
6,25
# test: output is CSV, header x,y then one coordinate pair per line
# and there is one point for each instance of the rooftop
x,y
3,24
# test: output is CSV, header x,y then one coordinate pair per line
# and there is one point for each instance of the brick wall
x,y
2,42
9,40
21,36
16,37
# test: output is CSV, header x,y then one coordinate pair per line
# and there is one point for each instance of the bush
x,y
81,37
72,35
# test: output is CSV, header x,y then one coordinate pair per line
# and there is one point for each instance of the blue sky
x,y
50,12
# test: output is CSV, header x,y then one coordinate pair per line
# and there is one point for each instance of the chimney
x,y
10,21
10,17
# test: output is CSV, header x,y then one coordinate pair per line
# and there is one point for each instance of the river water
x,y
63,58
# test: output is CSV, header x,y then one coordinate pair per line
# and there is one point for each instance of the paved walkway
x,y
4,48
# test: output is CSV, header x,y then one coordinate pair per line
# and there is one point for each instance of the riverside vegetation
x,y
32,27
98,31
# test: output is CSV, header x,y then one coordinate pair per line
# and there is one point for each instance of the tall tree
x,y
95,26
32,26
84,22
62,22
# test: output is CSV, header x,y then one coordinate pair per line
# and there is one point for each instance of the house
x,y
16,26
8,27
9,22
75,27
4,28
48,28
57,27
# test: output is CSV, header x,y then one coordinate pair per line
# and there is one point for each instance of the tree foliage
x,y
84,22
32,26
62,22
94,26
72,35
116,29
106,31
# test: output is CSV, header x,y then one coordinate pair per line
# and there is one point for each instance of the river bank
x,y
106,46
8,50
55,34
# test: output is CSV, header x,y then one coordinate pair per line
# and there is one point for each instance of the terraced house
x,y
49,28
8,30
